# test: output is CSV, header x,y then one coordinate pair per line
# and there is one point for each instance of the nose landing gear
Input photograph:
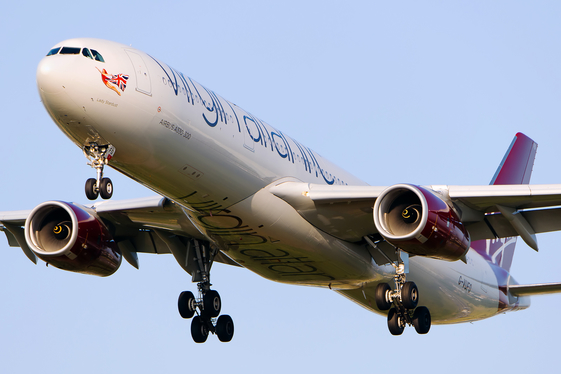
x,y
99,156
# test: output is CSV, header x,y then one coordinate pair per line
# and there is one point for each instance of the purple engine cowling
x,y
419,222
70,238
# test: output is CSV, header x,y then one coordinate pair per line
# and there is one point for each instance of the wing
x,y
488,212
508,207
146,225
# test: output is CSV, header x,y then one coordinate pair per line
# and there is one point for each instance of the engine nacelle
x,y
420,223
70,238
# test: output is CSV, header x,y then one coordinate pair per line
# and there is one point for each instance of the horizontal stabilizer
x,y
534,289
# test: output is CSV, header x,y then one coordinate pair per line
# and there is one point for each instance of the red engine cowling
x,y
420,223
70,238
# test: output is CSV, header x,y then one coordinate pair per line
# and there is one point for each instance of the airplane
x,y
233,189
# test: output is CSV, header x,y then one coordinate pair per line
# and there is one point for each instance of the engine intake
x,y
70,238
420,222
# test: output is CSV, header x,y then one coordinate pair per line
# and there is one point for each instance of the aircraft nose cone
x,y
48,75
60,86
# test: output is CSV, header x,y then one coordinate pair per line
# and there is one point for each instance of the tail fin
x,y
515,168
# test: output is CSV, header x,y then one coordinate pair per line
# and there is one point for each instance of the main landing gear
x,y
401,302
207,307
99,156
403,309
208,304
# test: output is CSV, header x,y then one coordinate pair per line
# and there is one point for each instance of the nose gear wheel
x,y
98,156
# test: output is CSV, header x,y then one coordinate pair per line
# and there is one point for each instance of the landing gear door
x,y
143,83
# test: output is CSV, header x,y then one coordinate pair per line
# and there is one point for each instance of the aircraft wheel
x,y
396,324
186,304
212,303
421,320
382,296
199,330
106,188
225,328
91,192
410,295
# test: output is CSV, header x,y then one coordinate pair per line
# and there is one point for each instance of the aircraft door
x,y
143,83
251,132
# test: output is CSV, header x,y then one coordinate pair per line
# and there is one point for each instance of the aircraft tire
x,y
410,295
382,291
421,320
199,330
395,324
185,304
212,303
91,192
225,328
106,188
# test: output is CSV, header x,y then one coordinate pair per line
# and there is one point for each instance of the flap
x,y
517,196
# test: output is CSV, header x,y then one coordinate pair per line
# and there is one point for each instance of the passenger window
x,y
97,56
70,51
53,51
86,53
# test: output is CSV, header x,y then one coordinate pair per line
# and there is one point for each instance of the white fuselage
x,y
218,162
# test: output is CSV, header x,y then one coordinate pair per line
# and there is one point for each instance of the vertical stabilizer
x,y
515,168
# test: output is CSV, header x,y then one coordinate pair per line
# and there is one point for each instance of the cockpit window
x,y
70,51
89,53
97,56
86,52
53,51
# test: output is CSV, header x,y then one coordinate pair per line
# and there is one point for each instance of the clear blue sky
x,y
427,92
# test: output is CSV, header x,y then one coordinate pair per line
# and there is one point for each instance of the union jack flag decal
x,y
114,82
120,80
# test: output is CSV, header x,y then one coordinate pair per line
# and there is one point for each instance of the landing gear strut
x,y
99,156
208,304
401,302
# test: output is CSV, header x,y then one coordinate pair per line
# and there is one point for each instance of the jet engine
x,y
70,238
420,222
